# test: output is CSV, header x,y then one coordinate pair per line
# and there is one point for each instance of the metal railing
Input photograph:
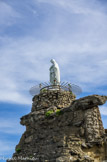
x,y
55,87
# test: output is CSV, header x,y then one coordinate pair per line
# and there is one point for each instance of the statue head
x,y
52,61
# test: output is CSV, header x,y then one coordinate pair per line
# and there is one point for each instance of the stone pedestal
x,y
60,128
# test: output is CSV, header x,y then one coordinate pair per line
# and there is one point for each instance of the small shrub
x,y
80,142
44,90
18,150
48,113
71,92
58,112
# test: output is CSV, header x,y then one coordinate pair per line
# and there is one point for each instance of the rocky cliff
x,y
60,128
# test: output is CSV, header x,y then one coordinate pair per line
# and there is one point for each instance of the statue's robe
x,y
54,75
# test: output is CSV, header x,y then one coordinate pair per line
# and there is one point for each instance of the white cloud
x,y
14,97
76,6
7,14
5,147
76,41
103,110
28,60
8,127
11,126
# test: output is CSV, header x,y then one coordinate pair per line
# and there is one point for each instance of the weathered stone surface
x,y
60,128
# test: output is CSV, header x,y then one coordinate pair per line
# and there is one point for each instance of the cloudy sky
x,y
73,32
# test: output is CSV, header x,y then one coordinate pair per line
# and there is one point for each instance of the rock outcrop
x,y
62,129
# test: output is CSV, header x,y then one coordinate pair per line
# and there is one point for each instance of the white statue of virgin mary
x,y
54,73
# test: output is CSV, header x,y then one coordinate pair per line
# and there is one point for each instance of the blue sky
x,y
73,32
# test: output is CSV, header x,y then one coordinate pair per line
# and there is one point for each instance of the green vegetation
x,y
18,150
80,142
44,90
48,113
71,92
58,112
